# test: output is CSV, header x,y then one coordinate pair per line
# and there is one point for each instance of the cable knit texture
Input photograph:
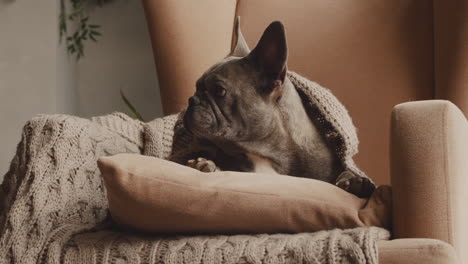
x,y
53,206
331,118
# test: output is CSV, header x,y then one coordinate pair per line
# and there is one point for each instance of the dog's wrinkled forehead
x,y
230,69
222,66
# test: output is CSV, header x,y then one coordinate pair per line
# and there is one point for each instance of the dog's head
x,y
235,99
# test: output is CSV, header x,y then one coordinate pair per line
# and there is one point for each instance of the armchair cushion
x,y
154,195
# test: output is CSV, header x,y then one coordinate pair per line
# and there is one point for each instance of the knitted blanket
x,y
53,206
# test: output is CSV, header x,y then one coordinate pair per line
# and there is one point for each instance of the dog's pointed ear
x,y
239,46
271,52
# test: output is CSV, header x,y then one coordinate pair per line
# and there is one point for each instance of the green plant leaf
x,y
131,107
96,33
84,31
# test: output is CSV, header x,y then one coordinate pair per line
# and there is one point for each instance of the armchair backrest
x,y
371,54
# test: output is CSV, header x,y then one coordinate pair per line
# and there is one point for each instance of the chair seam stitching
x,y
446,174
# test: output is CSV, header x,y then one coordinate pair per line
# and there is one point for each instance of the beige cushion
x,y
155,195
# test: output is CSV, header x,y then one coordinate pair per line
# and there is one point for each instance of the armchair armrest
x,y
429,170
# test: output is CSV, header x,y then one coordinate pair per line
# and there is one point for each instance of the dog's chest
x,y
260,164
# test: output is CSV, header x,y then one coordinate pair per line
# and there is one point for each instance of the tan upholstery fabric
x,y
187,37
451,51
430,172
416,251
155,195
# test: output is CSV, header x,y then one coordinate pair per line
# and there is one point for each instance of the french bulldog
x,y
246,115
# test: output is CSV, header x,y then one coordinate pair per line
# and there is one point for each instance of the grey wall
x,y
37,76
28,44
122,59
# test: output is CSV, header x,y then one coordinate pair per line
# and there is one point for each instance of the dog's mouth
x,y
200,120
206,119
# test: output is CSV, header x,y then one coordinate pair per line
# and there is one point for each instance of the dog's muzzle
x,y
198,119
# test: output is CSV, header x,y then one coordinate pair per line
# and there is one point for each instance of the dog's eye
x,y
220,91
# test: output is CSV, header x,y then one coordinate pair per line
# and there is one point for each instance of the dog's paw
x,y
202,164
355,184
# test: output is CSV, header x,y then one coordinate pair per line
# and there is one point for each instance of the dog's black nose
x,y
193,101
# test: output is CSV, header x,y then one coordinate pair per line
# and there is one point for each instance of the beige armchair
x,y
373,55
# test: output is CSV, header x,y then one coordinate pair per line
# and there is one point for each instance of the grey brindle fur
x,y
247,116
